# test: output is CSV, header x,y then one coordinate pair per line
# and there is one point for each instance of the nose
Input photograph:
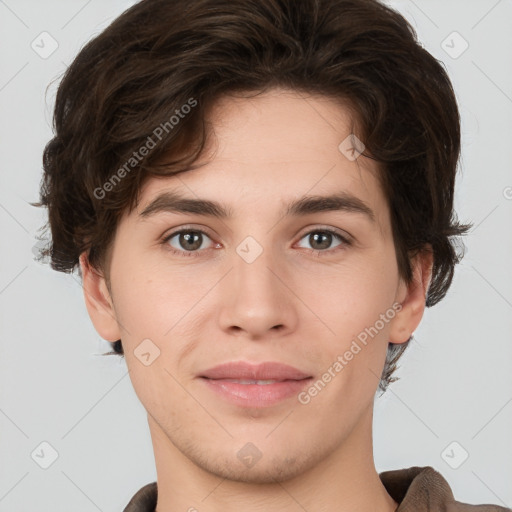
x,y
256,297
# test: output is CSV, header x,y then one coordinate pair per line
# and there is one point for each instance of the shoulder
x,y
144,500
425,489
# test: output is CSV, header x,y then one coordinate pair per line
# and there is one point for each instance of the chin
x,y
263,472
266,467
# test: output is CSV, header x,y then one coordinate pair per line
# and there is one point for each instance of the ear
x,y
412,297
98,301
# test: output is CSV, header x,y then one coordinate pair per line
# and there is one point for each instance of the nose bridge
x,y
255,299
254,267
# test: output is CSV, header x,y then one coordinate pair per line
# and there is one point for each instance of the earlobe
x,y
98,301
412,298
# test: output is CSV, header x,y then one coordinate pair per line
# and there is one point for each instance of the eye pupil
x,y
314,237
191,240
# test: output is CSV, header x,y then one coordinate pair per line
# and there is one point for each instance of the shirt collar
x,y
415,489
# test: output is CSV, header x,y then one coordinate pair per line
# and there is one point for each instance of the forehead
x,y
270,149
280,124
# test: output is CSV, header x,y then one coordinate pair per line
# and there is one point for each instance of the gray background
x,y
455,379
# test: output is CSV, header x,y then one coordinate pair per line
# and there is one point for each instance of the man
x,y
259,195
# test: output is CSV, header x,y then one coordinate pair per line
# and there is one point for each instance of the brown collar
x,y
415,489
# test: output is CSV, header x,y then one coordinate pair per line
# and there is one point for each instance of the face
x,y
191,291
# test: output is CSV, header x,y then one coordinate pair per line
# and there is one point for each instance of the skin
x,y
206,310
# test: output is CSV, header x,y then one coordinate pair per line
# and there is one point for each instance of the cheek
x,y
155,298
351,296
356,304
155,307
352,306
150,298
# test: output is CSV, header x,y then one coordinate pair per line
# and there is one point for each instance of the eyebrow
x,y
174,202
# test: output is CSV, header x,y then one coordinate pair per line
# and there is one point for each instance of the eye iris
x,y
314,238
191,240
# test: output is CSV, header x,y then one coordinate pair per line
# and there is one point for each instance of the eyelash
x,y
345,242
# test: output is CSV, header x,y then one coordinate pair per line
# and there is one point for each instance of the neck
x,y
345,481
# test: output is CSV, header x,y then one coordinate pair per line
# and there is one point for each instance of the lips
x,y
242,371
255,385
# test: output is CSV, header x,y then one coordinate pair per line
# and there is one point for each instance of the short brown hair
x,y
155,57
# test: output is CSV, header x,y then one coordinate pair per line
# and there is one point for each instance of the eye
x,y
187,242
321,240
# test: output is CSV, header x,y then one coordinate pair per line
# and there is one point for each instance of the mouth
x,y
254,393
261,372
251,381
255,385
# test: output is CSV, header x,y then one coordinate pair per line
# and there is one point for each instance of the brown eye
x,y
186,240
190,240
321,240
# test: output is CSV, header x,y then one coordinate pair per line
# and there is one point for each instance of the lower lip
x,y
256,395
